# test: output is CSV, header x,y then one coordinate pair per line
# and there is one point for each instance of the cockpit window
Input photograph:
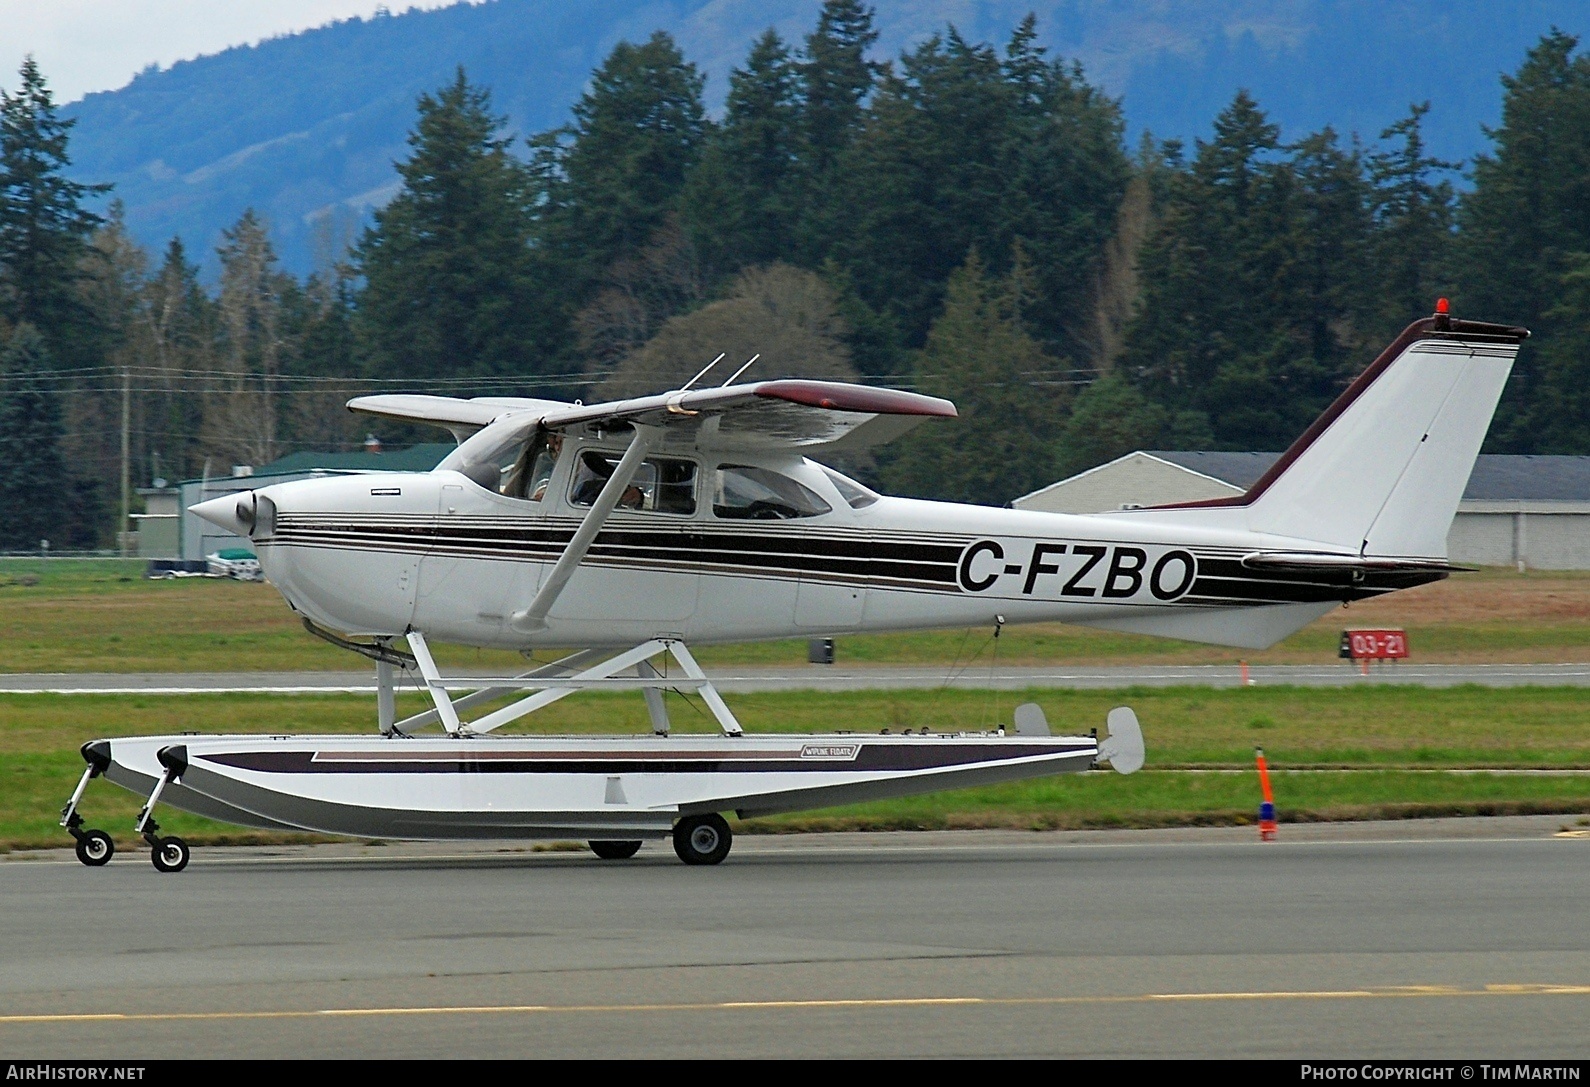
x,y
757,494
663,486
852,492
532,471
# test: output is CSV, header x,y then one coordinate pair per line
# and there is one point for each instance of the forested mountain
x,y
305,128
966,216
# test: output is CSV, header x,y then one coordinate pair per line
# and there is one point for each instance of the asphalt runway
x,y
739,679
1441,938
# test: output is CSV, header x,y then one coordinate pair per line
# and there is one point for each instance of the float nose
x,y
223,512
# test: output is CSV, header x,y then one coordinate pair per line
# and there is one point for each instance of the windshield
x,y
852,492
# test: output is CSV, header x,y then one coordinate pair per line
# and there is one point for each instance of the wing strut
x,y
535,616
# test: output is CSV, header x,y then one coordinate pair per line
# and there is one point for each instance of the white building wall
x,y
1541,535
1481,539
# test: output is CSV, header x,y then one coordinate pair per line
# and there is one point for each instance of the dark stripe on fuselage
x,y
922,563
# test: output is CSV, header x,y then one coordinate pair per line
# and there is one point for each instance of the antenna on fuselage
x,y
741,370
703,373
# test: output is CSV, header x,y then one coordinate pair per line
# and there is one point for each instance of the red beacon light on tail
x,y
1443,314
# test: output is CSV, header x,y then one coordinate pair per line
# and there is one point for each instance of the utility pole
x,y
126,466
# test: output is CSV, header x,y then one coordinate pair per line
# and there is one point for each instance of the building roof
x,y
1238,469
1540,479
1496,477
416,458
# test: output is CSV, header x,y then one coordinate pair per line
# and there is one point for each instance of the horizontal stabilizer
x,y
1331,561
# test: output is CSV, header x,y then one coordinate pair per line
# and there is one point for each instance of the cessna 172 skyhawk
x,y
633,529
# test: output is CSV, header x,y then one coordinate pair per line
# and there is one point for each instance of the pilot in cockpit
x,y
546,458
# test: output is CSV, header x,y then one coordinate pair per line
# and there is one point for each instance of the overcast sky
x,y
98,45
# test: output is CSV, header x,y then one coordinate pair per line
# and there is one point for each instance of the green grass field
x,y
1355,753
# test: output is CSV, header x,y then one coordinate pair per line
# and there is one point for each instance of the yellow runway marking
x,y
1387,993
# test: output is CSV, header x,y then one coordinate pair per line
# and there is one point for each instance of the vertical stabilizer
x,y
1382,470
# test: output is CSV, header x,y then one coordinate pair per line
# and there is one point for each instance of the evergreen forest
x,y
965,219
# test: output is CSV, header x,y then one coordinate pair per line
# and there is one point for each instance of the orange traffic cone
x,y
1267,826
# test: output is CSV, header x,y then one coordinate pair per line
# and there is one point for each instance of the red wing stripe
x,y
838,396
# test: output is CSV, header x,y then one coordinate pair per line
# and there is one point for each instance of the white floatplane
x,y
634,529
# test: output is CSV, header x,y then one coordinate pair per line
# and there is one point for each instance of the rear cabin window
x,y
741,492
663,486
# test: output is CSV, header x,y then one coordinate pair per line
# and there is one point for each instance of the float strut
x,y
72,821
146,827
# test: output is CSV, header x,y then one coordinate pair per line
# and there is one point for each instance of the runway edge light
x,y
1267,826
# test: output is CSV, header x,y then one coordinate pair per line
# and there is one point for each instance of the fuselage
x,y
738,546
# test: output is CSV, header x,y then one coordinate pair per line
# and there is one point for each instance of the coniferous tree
x,y
1068,181
835,79
1414,216
242,416
44,228
1251,279
606,183
35,487
979,356
182,336
741,201
449,279
1561,406
961,148
924,180
1526,218
114,296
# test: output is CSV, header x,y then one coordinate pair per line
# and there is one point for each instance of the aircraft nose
x,y
227,512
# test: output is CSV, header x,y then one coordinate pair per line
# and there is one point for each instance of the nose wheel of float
x,y
94,848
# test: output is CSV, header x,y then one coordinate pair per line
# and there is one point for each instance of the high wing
x,y
758,415
770,414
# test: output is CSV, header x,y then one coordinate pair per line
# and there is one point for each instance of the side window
x,y
663,486
741,492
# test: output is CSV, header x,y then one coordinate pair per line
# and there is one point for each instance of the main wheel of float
x,y
170,854
615,851
702,839
95,848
